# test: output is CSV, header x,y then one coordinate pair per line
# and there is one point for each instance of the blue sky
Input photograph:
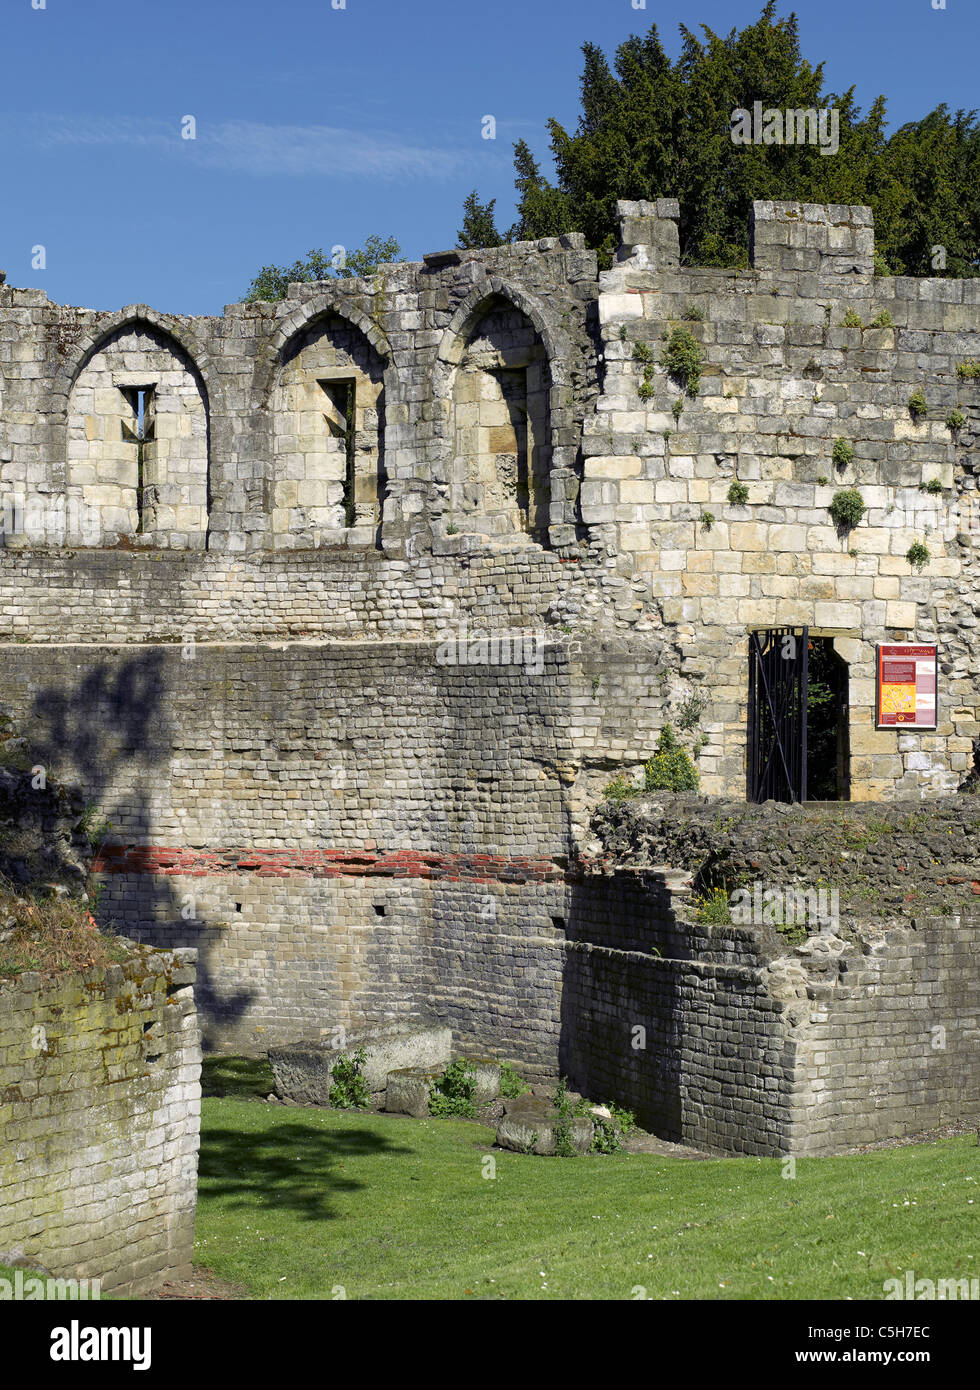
x,y
318,126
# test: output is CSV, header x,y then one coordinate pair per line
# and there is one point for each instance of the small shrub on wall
x,y
847,508
670,769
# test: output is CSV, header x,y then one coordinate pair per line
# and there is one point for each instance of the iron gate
x,y
777,714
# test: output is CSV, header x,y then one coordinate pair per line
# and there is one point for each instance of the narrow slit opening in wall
x,y
341,422
140,431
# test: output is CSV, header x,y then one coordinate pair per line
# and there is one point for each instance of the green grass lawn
x,y
296,1203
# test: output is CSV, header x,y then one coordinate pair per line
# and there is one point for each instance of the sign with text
x,y
906,686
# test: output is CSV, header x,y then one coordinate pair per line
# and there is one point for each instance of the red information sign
x,y
907,686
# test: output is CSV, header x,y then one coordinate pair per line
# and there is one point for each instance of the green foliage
x,y
646,389
884,320
918,405
651,127
822,481
511,1084
707,520
968,371
843,452
94,827
713,907
273,281
621,789
642,352
690,711
670,769
918,556
677,408
955,420
933,486
479,228
683,359
564,1147
852,320
608,1135
452,1093
348,1088
693,313
738,494
847,508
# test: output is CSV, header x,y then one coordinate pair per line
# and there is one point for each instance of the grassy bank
x,y
301,1203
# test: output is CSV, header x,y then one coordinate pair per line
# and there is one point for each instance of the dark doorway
x,y
797,718
827,748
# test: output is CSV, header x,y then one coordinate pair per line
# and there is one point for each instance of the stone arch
x,y
326,302
327,393
137,434
81,351
496,399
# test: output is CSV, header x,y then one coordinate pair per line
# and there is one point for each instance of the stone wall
x,y
750,1045
783,378
99,1122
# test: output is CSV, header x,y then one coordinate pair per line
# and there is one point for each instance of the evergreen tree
x,y
479,228
654,128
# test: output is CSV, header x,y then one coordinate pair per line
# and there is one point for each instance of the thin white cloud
x,y
247,147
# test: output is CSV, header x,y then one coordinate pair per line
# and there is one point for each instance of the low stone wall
x,y
100,1122
899,858
736,1040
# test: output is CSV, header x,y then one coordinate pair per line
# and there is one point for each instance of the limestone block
x,y
530,1123
408,1091
302,1071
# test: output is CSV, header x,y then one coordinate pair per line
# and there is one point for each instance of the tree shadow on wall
x,y
113,733
293,1166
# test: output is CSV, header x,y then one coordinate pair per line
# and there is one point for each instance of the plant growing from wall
x,y
683,359
851,320
348,1088
738,494
933,486
713,907
843,452
690,711
676,408
884,320
847,508
955,420
670,769
918,405
693,313
918,556
706,520
968,371
452,1093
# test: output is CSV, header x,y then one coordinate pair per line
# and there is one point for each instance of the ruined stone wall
x,y
99,1122
783,378
752,1045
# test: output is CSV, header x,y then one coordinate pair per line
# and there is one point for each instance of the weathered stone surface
x,y
487,1079
530,1123
408,1091
100,1109
303,1071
